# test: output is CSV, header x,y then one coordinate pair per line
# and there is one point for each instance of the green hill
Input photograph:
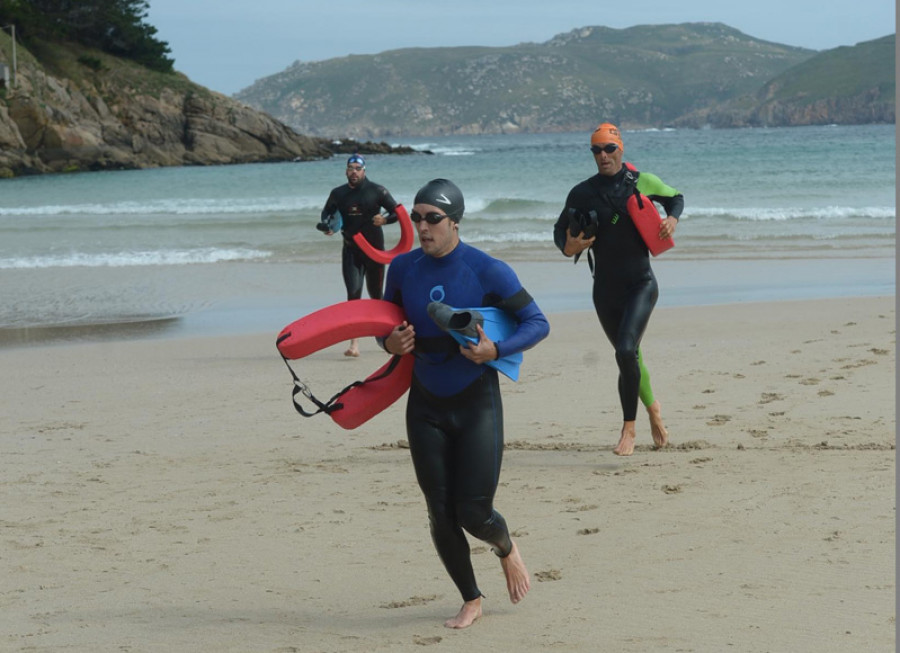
x,y
846,85
640,76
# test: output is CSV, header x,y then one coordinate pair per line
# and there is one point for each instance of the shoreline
x,y
163,495
251,298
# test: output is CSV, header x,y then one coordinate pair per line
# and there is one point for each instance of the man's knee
x,y
476,517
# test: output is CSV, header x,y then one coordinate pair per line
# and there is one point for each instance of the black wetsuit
x,y
454,415
358,204
625,288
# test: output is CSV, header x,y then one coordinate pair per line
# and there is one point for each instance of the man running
x,y
454,415
625,291
359,203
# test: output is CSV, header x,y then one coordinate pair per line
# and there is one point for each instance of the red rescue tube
x,y
361,403
343,321
407,235
646,218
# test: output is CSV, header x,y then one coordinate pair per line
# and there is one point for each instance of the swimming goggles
x,y
430,218
609,148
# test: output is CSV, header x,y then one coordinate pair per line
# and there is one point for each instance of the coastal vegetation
x,y
94,89
686,75
113,26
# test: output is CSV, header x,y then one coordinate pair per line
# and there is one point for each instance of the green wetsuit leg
x,y
645,392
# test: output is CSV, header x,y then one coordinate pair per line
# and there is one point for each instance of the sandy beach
x,y
163,495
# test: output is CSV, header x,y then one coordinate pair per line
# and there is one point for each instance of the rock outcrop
x,y
122,116
53,124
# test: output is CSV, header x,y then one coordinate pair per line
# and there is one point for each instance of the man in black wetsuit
x,y
625,291
359,203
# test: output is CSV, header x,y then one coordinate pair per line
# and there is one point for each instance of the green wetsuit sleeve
x,y
658,191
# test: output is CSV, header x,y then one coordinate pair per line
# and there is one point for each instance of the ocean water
x,y
207,245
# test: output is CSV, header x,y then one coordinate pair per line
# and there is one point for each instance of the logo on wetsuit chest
x,y
615,218
437,294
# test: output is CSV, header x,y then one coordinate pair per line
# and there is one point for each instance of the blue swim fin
x,y
497,324
333,223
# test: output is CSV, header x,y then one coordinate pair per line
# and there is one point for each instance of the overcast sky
x,y
226,45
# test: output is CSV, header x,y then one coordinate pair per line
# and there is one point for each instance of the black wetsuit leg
x,y
456,445
624,314
356,267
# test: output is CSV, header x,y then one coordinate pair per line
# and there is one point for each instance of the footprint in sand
x,y
719,420
862,363
549,575
411,601
769,397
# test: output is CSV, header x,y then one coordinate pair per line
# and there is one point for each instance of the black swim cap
x,y
443,194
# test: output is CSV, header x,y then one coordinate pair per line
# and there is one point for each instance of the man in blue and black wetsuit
x,y
625,290
359,202
454,416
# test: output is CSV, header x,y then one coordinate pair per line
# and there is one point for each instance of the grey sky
x,y
226,45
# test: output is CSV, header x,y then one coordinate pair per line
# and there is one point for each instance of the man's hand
x,y
577,244
481,351
401,340
667,228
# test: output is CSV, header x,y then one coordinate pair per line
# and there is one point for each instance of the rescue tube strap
x,y
332,404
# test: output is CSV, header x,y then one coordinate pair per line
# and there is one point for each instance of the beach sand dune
x,y
163,495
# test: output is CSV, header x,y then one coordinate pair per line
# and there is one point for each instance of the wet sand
x,y
161,494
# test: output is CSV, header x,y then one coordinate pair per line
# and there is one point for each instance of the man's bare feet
x,y
657,428
626,441
468,614
518,581
353,349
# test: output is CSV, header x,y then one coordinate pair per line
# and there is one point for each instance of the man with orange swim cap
x,y
607,133
596,218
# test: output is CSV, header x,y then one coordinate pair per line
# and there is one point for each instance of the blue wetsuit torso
x,y
464,278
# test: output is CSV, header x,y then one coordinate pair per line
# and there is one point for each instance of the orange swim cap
x,y
607,133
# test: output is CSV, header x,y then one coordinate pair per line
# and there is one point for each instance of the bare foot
x,y
468,614
626,441
518,582
657,428
353,349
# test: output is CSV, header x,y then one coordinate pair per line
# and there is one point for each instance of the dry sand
x,y
164,496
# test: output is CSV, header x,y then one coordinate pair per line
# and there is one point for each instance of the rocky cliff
x,y
69,109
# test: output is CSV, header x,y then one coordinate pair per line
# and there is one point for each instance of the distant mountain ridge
x,y
691,74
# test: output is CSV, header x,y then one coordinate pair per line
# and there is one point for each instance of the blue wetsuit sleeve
x,y
392,288
533,325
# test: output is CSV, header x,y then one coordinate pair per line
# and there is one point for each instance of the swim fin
x,y
333,223
460,323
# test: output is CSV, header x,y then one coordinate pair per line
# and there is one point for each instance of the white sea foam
x,y
170,207
130,259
